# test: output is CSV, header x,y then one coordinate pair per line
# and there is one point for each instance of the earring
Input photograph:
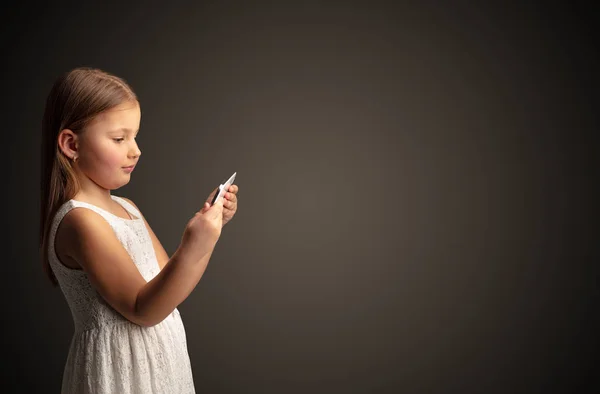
x,y
75,159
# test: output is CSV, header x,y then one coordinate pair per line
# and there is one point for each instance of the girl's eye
x,y
118,139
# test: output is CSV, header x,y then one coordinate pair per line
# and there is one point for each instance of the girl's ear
x,y
67,143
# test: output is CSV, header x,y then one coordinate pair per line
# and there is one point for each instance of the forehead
x,y
126,115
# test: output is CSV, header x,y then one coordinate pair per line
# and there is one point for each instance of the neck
x,y
91,192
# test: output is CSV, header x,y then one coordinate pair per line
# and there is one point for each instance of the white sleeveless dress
x,y
108,353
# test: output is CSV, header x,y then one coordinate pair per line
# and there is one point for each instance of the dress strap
x,y
130,208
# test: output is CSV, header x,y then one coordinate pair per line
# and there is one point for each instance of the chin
x,y
116,185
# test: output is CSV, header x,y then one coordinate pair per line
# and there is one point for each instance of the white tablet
x,y
223,189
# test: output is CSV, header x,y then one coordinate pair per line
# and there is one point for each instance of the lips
x,y
128,169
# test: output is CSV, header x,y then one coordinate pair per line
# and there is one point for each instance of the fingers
x,y
231,201
233,189
205,208
231,195
214,211
228,201
217,205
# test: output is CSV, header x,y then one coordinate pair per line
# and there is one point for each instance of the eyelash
x,y
118,140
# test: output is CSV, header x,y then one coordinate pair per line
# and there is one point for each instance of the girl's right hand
x,y
204,229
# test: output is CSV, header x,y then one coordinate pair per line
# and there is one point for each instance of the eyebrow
x,y
125,129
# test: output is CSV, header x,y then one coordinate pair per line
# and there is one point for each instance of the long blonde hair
x,y
75,99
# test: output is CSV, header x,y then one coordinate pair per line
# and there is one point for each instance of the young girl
x,y
121,286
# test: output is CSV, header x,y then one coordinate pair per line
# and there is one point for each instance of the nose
x,y
135,151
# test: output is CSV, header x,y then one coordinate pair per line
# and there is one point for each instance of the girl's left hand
x,y
229,202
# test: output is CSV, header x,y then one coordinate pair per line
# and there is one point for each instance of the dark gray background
x,y
416,201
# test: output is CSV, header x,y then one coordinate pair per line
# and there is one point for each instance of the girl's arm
x,y
93,244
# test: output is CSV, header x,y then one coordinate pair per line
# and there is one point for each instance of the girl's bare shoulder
x,y
76,225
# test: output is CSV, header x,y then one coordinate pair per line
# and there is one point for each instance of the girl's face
x,y
108,146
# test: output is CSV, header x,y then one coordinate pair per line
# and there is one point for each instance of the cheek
x,y
114,158
108,156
